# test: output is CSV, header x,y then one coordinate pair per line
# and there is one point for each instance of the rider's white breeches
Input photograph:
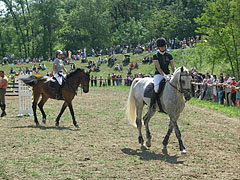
x,y
157,79
59,78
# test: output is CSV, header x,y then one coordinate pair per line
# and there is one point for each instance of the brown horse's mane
x,y
74,72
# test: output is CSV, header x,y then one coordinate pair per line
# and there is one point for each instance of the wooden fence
x,y
199,88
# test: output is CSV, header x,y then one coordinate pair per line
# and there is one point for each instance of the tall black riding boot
x,y
153,101
58,92
3,107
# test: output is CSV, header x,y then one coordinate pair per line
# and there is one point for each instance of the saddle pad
x,y
52,83
149,90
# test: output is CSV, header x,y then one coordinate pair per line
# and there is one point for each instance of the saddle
x,y
53,83
149,90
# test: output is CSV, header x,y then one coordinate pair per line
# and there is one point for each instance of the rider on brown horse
x,y
58,72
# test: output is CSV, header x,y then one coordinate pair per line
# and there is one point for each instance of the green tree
x,y
221,23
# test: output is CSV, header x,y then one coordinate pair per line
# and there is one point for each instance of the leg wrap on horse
x,y
3,107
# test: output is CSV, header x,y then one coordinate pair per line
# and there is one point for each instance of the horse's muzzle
x,y
85,90
187,96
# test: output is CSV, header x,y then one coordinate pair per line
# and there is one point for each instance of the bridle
x,y
181,90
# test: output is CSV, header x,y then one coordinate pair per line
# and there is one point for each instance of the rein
x,y
181,90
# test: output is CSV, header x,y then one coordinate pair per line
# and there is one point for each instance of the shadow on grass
x,y
47,127
147,156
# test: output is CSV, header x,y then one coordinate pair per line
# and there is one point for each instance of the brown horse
x,y
41,86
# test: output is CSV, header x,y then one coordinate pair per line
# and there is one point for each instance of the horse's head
x,y
184,84
85,78
82,77
185,80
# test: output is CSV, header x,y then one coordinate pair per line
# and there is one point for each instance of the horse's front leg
x,y
170,129
146,120
178,134
61,112
73,117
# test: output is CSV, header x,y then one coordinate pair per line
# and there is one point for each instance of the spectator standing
x,y
3,87
215,81
233,92
208,92
238,94
221,89
100,81
113,79
227,80
92,81
95,81
109,80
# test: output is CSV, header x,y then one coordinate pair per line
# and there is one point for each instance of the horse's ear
x,y
182,69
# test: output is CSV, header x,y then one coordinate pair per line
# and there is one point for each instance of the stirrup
x,y
152,108
58,96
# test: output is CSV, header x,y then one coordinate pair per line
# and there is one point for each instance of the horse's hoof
x,y
37,124
164,150
143,148
57,124
148,143
76,125
183,151
44,120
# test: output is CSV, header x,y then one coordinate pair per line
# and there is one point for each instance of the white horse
x,y
173,97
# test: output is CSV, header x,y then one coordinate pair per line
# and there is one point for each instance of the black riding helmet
x,y
161,42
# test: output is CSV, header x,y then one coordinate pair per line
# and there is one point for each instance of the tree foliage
x,y
32,28
220,23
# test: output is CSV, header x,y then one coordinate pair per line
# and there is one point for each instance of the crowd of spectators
x,y
222,89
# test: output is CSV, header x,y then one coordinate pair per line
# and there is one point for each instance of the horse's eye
x,y
183,82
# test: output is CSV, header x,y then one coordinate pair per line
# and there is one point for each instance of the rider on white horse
x,y
161,59
58,71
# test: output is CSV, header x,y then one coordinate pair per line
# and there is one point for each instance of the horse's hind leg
x,y
34,106
139,109
61,112
40,105
146,120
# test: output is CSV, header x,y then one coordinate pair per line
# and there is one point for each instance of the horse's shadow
x,y
47,127
147,156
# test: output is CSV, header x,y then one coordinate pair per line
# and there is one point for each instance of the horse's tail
x,y
131,107
31,80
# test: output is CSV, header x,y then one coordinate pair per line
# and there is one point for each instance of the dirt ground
x,y
106,146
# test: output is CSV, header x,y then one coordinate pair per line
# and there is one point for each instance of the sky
x,y
2,6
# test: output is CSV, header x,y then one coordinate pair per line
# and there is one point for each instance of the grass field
x,y
106,146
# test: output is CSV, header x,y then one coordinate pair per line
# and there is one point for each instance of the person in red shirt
x,y
233,93
3,87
